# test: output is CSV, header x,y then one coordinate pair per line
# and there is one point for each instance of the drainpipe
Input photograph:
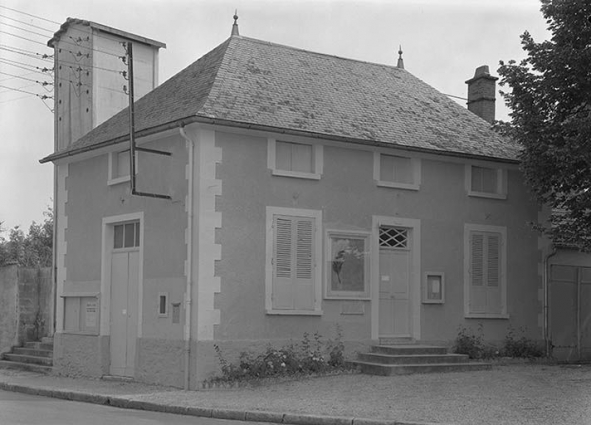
x,y
545,283
188,308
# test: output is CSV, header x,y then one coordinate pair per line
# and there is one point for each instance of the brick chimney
x,y
481,94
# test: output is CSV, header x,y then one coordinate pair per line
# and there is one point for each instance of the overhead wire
x,y
25,23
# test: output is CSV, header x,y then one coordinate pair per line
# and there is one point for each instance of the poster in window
x,y
348,266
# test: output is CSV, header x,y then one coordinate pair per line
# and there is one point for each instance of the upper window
x,y
126,235
485,268
348,267
397,171
293,261
486,182
293,159
119,167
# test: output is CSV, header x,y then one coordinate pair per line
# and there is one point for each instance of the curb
x,y
250,416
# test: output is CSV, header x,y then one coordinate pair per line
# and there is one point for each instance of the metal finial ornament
x,y
235,26
400,63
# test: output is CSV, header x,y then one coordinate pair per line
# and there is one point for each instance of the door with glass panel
x,y
124,297
394,282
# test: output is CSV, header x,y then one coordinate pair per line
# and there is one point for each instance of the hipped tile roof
x,y
257,84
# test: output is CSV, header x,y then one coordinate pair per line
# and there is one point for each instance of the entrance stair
x,y
34,357
406,357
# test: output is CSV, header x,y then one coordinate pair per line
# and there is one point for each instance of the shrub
x,y
472,344
521,347
309,357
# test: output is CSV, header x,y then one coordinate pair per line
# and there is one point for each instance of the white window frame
x,y
317,152
317,273
416,171
112,179
501,190
357,295
468,230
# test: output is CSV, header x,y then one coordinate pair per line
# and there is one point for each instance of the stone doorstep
x,y
412,358
39,345
19,358
408,349
32,352
31,367
407,369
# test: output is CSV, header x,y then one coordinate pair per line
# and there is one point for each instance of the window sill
x,y
341,297
487,195
486,316
394,185
436,302
297,175
117,180
81,333
294,312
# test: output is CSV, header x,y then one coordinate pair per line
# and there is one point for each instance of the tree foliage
x,y
33,249
550,100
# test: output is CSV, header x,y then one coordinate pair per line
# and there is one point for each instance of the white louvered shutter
x,y
293,263
477,287
493,271
485,273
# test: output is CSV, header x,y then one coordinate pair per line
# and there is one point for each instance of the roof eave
x,y
104,28
238,124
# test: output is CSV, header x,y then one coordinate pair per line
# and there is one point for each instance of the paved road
x,y
23,409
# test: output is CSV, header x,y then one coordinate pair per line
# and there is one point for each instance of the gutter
x,y
545,284
237,124
188,308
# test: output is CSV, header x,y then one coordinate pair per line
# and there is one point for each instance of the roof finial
x,y
400,60
235,26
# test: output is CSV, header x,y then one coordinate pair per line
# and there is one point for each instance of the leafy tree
x,y
34,249
550,99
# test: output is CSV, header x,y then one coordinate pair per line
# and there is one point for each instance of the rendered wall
x,y
89,200
8,307
348,198
26,305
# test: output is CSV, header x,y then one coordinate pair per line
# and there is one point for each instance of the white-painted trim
x,y
269,234
207,187
468,228
347,295
122,179
416,170
415,279
107,244
501,191
318,160
61,243
425,288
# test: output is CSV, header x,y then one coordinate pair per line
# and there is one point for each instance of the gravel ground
x,y
514,394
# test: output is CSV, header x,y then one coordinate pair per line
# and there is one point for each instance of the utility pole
x,y
133,149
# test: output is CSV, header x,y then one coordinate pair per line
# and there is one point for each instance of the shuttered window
x,y
485,273
293,261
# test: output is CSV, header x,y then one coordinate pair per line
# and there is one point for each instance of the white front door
x,y
125,266
394,282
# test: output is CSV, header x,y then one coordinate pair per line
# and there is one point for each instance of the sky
x,y
443,41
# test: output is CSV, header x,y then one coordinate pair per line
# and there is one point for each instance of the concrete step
x,y
390,340
20,358
405,350
39,345
412,358
407,369
47,340
5,364
32,352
